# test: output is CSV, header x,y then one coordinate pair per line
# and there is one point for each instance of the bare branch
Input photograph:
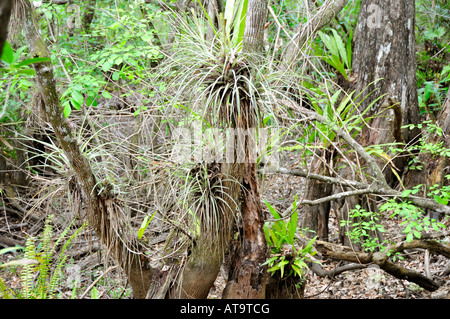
x,y
364,188
319,271
322,178
336,196
359,149
433,246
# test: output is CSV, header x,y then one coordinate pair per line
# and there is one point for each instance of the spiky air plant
x,y
214,85
214,79
210,86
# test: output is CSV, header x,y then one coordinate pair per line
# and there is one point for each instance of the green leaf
x,y
238,37
78,97
296,269
67,109
94,293
272,210
340,46
115,76
445,70
147,220
91,101
274,237
329,43
292,226
281,265
32,60
106,66
7,53
10,249
440,200
428,90
27,72
19,52
349,49
274,268
409,237
406,193
267,234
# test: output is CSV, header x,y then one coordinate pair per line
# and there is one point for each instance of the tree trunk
x,y
286,288
434,168
89,15
384,60
254,27
247,276
316,217
208,251
102,214
385,48
212,10
5,14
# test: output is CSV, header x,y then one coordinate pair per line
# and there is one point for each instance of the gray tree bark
x,y
385,49
384,62
254,26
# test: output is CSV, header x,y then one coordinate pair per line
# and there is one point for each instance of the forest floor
x,y
88,262
368,283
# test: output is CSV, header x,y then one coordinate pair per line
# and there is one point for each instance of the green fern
x,y
40,274
28,270
5,292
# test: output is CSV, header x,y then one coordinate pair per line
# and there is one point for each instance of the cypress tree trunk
x,y
89,15
384,62
316,217
385,49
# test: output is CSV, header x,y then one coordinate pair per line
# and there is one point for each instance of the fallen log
x,y
381,258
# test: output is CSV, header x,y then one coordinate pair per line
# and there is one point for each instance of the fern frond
x,y
27,274
5,292
41,288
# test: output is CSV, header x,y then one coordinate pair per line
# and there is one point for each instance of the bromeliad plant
x,y
340,55
287,256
